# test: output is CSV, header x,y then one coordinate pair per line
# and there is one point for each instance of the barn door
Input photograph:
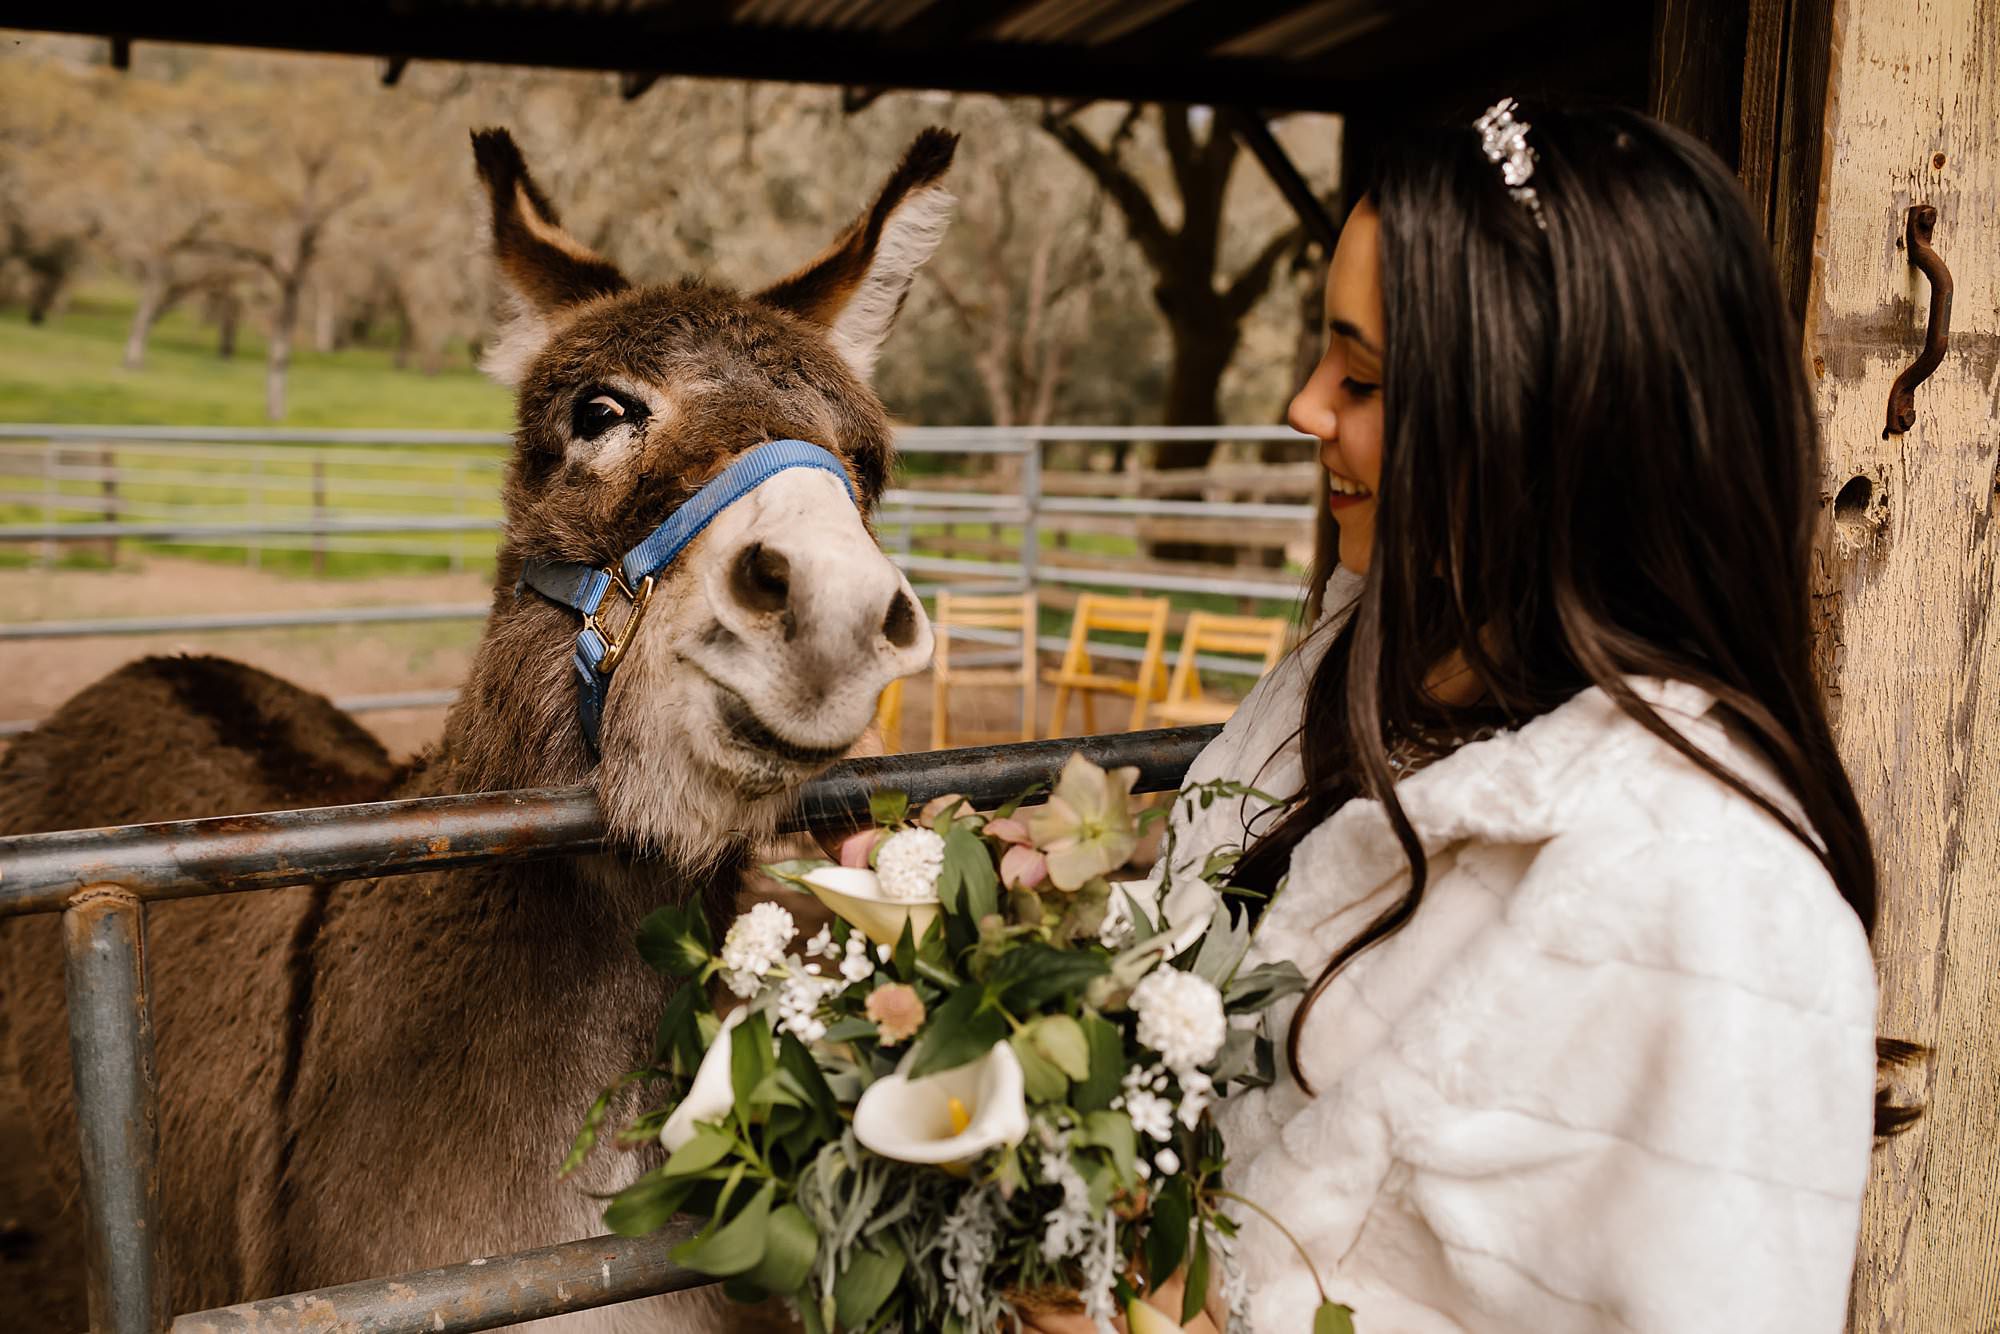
x,y
1910,639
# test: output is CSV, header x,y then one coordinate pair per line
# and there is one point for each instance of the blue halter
x,y
582,587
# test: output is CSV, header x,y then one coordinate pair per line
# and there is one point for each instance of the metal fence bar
x,y
262,620
416,523
111,1064
186,858
484,1294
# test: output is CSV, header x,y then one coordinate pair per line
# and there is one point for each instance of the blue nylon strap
x,y
582,587
733,483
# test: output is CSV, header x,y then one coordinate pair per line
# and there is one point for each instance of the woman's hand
x,y
1167,1298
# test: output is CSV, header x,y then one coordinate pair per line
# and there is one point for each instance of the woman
x,y
1569,855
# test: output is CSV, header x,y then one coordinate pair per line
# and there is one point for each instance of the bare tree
x,y
304,209
1204,309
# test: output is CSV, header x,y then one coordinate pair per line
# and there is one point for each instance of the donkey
x,y
370,1077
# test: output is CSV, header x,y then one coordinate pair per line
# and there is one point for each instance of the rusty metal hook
x,y
1903,395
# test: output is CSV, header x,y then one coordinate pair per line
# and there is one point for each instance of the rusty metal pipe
x,y
111,1064
182,859
484,1294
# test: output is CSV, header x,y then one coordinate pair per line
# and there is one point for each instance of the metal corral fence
x,y
100,880
367,493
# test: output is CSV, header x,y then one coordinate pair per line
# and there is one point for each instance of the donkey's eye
x,y
599,412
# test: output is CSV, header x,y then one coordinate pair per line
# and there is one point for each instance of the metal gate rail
x,y
101,879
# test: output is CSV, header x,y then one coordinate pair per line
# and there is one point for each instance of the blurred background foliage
x,y
220,236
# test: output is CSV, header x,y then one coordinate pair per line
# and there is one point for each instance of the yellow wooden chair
x,y
1260,637
1097,612
955,611
889,716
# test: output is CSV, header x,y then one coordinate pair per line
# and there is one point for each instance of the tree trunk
x,y
228,314
152,299
278,360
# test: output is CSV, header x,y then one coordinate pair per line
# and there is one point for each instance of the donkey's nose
x,y
760,578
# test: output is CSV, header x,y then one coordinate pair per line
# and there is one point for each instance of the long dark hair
x,y
1599,461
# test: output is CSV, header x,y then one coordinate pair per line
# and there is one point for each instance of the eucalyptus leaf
x,y
871,1275
1262,986
647,1205
1223,946
1042,1079
737,1246
710,1145
790,1244
1061,1039
974,886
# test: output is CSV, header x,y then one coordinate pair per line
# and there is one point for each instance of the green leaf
x,y
1107,1064
778,1089
1333,1318
750,1060
738,1245
1008,810
677,1043
1112,1132
904,958
1263,985
795,1060
675,940
790,1244
1042,1080
1031,975
795,871
1223,947
963,1029
1196,1294
593,1123
647,1205
871,1275
710,1145
968,884
850,1029
1167,1231
888,807
1060,1038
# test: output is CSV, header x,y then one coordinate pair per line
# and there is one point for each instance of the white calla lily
x,y
947,1118
856,895
709,1098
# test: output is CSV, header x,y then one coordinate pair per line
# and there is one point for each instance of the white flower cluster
x,y
1069,1223
1180,1017
755,945
1145,1101
908,863
798,1004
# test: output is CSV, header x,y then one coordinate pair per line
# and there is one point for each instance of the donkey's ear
x,y
542,267
857,287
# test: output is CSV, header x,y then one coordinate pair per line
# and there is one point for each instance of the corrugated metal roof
x,y
1273,54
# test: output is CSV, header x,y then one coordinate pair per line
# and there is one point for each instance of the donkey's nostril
x,y
761,579
900,625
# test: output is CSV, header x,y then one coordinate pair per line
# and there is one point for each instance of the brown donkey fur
x,y
377,1076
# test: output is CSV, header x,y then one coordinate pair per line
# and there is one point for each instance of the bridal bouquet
x,y
981,1091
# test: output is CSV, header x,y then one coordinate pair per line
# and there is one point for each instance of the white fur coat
x,y
1616,1074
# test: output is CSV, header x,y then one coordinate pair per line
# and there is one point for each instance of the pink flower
x,y
856,848
897,1011
936,806
1007,830
1022,867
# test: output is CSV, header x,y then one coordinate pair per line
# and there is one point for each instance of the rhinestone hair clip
x,y
1505,143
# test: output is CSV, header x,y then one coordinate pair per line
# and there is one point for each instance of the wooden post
x,y
1910,644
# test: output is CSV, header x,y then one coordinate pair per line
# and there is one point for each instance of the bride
x,y
1563,838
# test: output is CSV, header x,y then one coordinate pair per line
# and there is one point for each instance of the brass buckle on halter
x,y
614,647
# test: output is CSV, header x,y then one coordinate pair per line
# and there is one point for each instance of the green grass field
x,y
70,370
